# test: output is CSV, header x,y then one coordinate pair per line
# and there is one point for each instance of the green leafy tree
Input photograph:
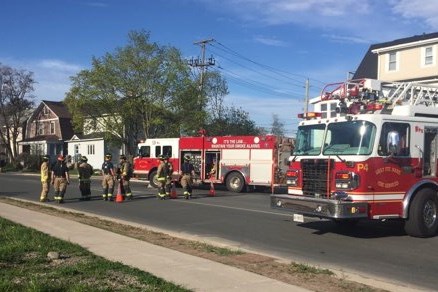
x,y
16,101
235,121
139,91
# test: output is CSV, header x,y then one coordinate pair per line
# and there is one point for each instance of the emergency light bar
x,y
309,115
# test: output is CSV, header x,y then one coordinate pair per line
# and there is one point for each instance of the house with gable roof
x,y
47,129
410,59
403,60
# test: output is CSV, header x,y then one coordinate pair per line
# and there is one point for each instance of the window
x,y
167,150
403,142
349,138
392,61
309,140
428,53
157,151
145,151
52,128
46,111
40,128
328,110
90,149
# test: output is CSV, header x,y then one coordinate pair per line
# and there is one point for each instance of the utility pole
x,y
202,62
306,101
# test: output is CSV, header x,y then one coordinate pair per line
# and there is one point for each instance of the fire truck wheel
x,y
423,219
235,182
153,179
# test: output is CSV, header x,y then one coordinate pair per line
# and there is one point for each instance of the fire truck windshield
x,y
309,140
349,138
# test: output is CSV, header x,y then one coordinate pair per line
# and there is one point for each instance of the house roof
x,y
92,136
59,108
368,66
61,111
47,138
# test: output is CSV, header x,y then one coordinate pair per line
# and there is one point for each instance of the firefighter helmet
x,y
108,156
46,157
123,157
161,157
84,158
187,158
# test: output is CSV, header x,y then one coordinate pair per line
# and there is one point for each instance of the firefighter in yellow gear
x,y
85,171
45,179
164,175
187,173
107,178
60,179
125,175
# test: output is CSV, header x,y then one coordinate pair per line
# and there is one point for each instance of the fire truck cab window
x,y
388,131
144,151
167,151
349,138
309,140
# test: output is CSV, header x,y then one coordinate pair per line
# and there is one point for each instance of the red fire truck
x,y
368,151
239,161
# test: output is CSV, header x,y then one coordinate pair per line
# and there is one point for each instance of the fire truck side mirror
x,y
393,143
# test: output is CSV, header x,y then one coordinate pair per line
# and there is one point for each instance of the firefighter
x,y
187,173
164,174
60,178
85,171
125,175
107,178
212,172
45,179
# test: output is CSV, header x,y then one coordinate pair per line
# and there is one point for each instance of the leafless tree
x,y
16,101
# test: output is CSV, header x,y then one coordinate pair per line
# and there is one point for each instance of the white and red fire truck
x,y
239,161
369,150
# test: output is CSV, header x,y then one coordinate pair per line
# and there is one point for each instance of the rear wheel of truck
x,y
235,182
153,179
423,220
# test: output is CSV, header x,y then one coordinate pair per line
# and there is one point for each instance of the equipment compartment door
x,y
261,166
430,152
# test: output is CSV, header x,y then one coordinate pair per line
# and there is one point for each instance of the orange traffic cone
x,y
173,194
212,192
119,197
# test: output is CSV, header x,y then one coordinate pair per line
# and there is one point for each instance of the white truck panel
x,y
237,155
261,154
261,172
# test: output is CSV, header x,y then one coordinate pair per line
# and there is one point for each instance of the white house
x,y
94,147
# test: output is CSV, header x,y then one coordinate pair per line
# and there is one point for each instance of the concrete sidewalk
x,y
189,271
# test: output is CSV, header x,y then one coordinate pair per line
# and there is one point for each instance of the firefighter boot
x,y
110,194
187,195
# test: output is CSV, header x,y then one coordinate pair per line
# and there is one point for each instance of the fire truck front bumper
x,y
319,207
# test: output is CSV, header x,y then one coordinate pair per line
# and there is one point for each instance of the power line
x,y
270,68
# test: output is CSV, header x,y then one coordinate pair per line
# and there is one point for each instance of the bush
x,y
28,162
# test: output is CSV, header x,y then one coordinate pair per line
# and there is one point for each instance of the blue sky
x,y
266,49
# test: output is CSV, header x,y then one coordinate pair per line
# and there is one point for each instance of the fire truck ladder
x,y
410,93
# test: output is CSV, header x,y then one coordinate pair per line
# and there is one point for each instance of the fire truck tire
x,y
423,214
153,181
235,182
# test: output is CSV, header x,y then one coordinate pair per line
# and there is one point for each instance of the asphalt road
x,y
373,249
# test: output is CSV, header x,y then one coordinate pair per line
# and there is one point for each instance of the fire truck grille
x,y
315,176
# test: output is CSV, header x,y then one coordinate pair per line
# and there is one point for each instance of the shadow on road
x,y
363,229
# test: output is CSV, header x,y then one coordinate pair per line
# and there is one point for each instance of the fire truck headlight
x,y
291,182
292,177
346,180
